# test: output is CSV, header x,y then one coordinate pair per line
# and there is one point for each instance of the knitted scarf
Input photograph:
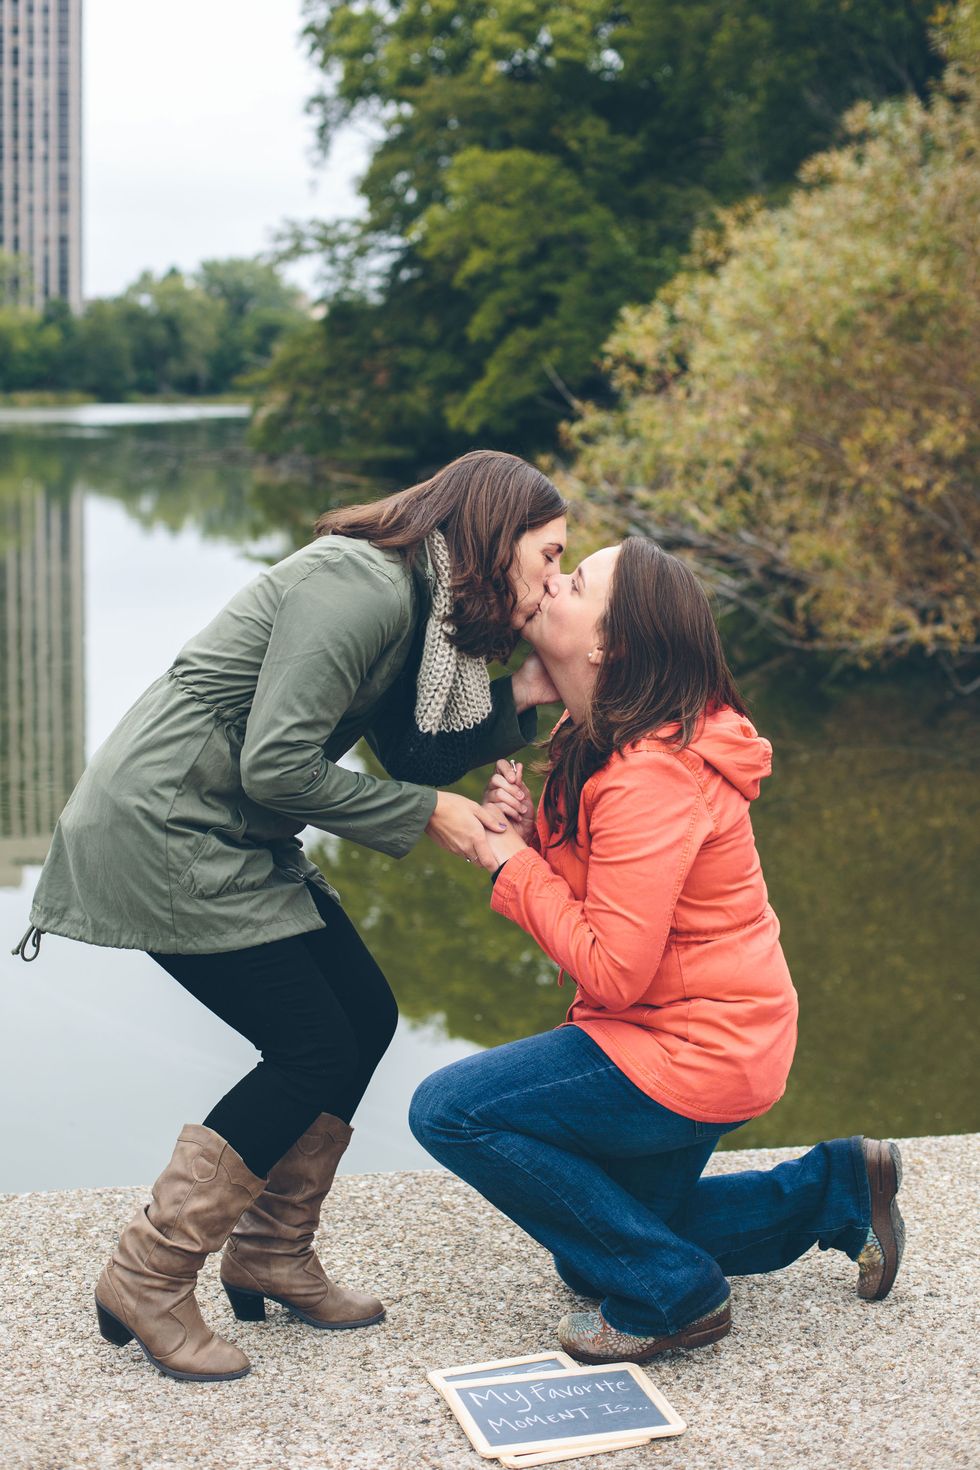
x,y
452,688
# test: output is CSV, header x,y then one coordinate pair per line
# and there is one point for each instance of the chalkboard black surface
x,y
584,1406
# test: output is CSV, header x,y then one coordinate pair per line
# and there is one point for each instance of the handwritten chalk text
x,y
497,1425
546,1392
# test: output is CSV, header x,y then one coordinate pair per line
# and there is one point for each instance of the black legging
x,y
318,1010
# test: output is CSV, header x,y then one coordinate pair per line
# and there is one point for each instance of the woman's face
x,y
534,572
566,629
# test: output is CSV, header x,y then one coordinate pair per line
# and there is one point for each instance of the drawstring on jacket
x,y
32,938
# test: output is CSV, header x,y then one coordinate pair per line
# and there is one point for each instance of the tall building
x,y
41,147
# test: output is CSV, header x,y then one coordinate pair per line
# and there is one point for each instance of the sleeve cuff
x,y
411,832
508,879
527,723
517,730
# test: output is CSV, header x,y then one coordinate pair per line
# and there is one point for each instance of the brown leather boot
x,y
147,1289
270,1252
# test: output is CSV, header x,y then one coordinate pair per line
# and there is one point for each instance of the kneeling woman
x,y
641,879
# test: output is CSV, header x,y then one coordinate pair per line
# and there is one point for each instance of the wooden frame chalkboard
x,y
519,1462
555,1362
533,1414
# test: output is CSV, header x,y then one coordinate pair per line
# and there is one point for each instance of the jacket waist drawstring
x,y
32,938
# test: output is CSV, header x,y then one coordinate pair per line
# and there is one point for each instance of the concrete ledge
x,y
810,1376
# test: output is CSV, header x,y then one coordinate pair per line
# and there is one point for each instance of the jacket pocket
x,y
223,863
288,859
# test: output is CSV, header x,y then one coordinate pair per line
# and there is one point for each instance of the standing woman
x,y
181,839
641,879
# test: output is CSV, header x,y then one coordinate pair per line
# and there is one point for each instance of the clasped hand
x,y
487,832
507,793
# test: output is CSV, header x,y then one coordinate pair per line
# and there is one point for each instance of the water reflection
x,y
110,1056
868,832
174,470
42,717
869,841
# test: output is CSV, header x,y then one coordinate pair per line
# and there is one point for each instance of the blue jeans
x,y
557,1137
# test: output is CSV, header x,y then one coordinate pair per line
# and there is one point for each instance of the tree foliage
x,y
539,166
800,405
165,334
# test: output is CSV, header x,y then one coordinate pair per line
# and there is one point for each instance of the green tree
x,y
540,166
257,306
174,334
63,350
30,344
800,405
103,353
193,334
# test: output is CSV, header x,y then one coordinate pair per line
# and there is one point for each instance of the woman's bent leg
x,y
361,991
758,1220
762,1219
526,1124
318,1049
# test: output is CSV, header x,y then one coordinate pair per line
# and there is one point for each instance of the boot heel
x,y
111,1328
248,1306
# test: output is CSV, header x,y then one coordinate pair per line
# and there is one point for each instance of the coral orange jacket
x,y
660,914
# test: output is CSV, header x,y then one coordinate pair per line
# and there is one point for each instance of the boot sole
x,y
885,1179
249,1306
695,1336
119,1335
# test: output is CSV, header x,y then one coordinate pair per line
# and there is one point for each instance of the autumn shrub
x,y
798,407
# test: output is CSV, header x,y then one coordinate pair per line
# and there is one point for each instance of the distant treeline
x,y
172,334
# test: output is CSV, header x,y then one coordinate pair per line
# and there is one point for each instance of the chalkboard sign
x,y
550,1457
579,1407
501,1368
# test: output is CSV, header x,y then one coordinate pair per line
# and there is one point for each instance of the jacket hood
x,y
730,742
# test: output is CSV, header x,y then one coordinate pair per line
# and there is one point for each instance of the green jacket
x,y
182,834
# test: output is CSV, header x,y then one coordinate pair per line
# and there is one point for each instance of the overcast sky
x,y
195,143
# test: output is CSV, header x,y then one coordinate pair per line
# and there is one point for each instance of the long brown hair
x,y
663,663
482,503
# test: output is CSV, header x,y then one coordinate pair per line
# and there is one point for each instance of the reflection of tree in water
x,y
192,474
868,830
29,467
868,834
449,958
869,841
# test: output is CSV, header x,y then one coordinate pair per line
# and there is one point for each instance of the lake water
x,y
122,531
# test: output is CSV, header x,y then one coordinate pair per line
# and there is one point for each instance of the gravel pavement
x,y
811,1378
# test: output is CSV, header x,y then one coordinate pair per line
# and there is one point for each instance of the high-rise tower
x,y
41,147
